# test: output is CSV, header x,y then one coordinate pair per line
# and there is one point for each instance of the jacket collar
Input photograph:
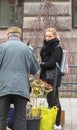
x,y
14,38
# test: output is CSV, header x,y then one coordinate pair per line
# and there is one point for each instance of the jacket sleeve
x,y
34,65
56,57
0,55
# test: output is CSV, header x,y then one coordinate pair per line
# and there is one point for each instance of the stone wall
x,y
61,10
35,12
35,19
60,15
3,36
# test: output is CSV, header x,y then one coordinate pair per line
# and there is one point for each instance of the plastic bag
x,y
48,118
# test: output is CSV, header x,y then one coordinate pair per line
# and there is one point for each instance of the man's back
x,y
16,63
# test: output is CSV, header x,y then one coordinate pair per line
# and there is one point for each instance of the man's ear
x,y
21,37
7,36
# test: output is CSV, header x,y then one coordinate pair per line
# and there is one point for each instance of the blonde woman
x,y
51,53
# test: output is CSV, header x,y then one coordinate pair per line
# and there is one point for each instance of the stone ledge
x,y
34,22
35,8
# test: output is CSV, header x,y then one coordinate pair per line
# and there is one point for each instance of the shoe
x,y
8,128
57,127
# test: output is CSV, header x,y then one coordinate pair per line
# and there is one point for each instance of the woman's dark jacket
x,y
50,53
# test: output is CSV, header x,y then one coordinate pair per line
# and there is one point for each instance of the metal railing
x,y
69,83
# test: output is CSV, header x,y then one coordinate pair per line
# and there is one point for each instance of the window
x,y
74,13
6,13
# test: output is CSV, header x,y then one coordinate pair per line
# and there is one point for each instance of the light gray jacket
x,y
17,62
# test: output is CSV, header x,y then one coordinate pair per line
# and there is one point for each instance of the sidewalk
x,y
70,107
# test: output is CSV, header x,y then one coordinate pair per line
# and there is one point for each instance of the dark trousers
x,y
53,100
20,111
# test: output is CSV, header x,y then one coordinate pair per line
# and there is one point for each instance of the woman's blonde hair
x,y
53,30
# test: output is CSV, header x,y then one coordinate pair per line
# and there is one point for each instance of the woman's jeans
x,y
53,100
19,114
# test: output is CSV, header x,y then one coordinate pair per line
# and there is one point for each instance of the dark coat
x,y
51,53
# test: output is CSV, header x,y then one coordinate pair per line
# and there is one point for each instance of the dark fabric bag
x,y
50,76
53,77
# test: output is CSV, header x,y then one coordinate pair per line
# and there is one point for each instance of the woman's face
x,y
49,36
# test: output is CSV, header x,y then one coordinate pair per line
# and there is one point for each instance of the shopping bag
x,y
48,118
62,120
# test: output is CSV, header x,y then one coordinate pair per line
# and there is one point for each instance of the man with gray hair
x,y
17,62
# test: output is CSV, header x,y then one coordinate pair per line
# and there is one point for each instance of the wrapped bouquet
x,y
39,85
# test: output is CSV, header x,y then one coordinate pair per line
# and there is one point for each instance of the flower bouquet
x,y
46,87
35,85
39,86
35,82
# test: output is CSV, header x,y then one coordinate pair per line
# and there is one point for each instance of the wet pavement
x,y
70,107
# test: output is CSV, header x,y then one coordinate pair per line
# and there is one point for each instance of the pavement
x,y
70,107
